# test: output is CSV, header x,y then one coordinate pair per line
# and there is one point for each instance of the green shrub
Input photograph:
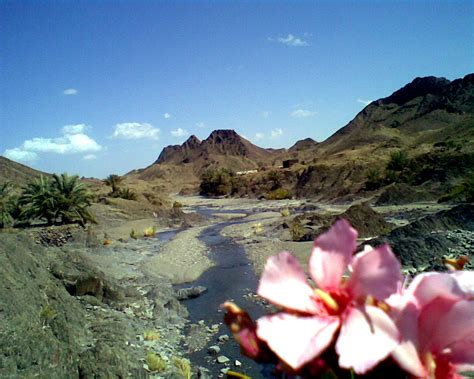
x,y
183,366
7,205
279,194
217,182
124,193
296,231
374,180
398,161
461,192
274,179
155,362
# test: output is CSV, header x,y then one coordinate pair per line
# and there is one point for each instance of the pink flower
x,y
312,317
436,322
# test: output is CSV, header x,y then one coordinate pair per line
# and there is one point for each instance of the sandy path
x,y
183,259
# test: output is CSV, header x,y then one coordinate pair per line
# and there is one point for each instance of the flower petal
x,y
426,287
407,353
368,335
451,325
284,283
462,353
465,280
375,272
297,340
331,254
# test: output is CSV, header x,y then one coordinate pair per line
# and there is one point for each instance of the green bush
x,y
274,179
177,205
398,161
279,194
461,192
7,205
217,182
124,193
374,180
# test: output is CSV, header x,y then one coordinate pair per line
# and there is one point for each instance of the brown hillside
x,y
17,173
425,111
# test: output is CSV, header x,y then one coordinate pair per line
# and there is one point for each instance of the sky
x,y
100,87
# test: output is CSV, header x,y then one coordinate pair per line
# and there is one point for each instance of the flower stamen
x,y
327,299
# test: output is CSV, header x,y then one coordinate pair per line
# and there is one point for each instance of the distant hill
x,y
430,119
17,173
183,164
220,143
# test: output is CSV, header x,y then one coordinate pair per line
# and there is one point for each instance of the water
x,y
230,279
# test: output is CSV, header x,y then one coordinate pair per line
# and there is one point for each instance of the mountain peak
x,y
418,87
222,135
191,142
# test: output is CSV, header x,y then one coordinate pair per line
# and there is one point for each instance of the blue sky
x,y
100,87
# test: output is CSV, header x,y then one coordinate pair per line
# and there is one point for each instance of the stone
x,y
237,363
214,350
225,370
222,359
223,338
190,292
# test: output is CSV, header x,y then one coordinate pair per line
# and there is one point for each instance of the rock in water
x,y
190,292
222,359
214,350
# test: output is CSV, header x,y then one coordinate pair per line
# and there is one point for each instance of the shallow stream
x,y
231,278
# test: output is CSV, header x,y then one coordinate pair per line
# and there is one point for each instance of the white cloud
x,y
73,141
89,157
70,91
74,129
302,113
266,114
17,154
69,144
259,136
167,115
135,130
276,133
179,133
291,40
365,102
200,124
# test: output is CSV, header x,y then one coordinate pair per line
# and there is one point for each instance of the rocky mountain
x,y
426,111
17,173
304,144
181,165
219,143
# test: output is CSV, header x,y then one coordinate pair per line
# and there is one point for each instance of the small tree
x,y
113,181
38,201
63,199
73,199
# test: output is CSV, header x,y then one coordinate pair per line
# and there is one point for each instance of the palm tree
x,y
63,199
73,198
113,181
6,205
38,201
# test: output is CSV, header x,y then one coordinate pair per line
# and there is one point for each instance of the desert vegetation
x,y
217,182
114,181
63,199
